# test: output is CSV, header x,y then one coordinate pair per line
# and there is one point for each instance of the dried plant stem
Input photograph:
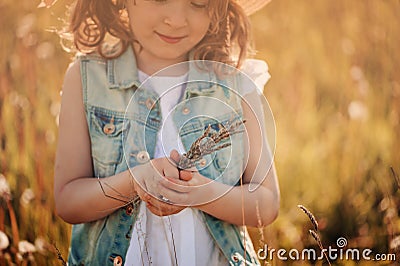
x,y
310,216
14,224
173,240
1,219
317,238
315,233
122,198
208,143
59,255
261,241
243,217
138,225
395,176
259,225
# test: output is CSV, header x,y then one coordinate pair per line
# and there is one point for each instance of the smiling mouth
x,y
170,39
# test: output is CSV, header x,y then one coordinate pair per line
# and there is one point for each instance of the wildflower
x,y
5,192
4,242
42,246
46,3
357,111
356,73
395,243
26,247
27,196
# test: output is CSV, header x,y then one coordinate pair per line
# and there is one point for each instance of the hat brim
x,y
251,6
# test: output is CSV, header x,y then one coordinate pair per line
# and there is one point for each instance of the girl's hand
x,y
157,206
191,189
148,178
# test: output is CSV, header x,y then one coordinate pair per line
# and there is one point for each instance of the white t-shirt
x,y
182,238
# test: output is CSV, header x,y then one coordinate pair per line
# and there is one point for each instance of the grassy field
x,y
334,92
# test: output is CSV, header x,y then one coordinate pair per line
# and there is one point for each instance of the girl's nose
x,y
176,17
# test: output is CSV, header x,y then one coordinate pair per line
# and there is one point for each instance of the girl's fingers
x,y
174,155
196,181
171,171
154,209
174,197
166,166
161,208
177,185
185,175
141,193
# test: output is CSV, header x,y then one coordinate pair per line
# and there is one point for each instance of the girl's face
x,y
167,29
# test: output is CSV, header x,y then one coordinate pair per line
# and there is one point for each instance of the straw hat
x,y
251,6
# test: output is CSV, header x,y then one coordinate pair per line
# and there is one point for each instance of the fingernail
x,y
147,197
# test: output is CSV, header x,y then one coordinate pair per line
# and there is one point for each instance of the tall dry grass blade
x,y
124,199
317,238
1,219
58,253
314,233
173,240
260,225
142,234
261,240
395,176
243,217
310,216
14,224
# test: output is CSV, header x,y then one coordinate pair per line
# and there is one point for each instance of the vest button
x,y
203,162
185,110
149,103
235,258
143,157
117,261
129,209
109,128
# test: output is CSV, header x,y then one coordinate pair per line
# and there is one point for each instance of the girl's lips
x,y
170,39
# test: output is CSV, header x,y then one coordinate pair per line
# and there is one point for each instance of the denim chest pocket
x,y
106,141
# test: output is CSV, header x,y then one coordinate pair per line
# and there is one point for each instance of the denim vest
x,y
123,137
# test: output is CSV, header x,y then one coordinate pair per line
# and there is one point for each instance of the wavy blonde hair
x,y
227,39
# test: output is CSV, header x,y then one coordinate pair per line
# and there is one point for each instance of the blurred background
x,y
334,92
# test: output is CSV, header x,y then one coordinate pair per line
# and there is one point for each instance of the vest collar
x,y
122,71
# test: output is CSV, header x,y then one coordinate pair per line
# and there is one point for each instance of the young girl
x,y
121,129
